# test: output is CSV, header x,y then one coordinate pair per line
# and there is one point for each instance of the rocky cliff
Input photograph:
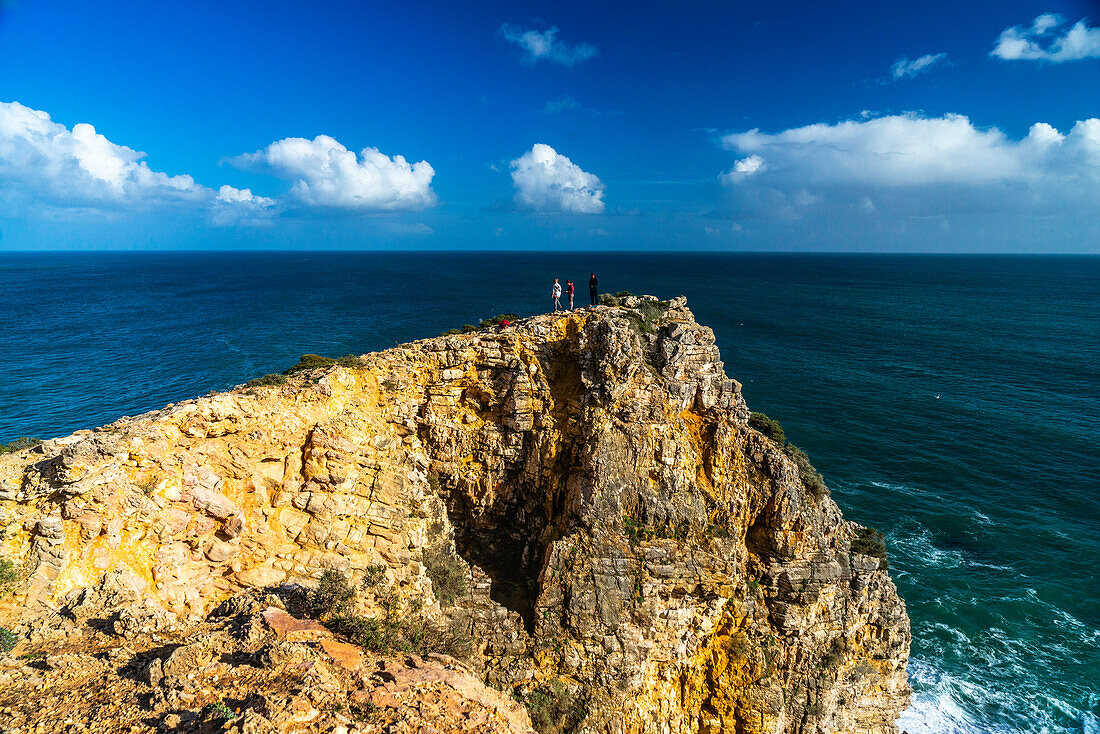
x,y
612,532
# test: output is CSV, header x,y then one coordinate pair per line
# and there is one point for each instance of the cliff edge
x,y
576,504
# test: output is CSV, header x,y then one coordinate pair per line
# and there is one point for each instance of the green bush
x,y
23,442
768,427
310,362
8,640
834,656
651,313
447,573
811,478
333,597
870,542
554,710
454,640
496,320
333,603
607,299
377,634
624,294
9,577
266,380
374,574
219,710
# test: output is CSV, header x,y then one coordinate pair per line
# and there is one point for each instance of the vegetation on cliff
x,y
23,442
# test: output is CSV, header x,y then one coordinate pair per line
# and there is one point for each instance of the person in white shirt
x,y
555,295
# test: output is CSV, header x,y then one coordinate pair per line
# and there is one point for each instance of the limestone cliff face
x,y
625,530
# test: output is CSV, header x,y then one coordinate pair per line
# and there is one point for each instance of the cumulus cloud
x,y
46,169
742,169
914,165
45,162
544,45
325,174
1041,42
241,206
906,68
547,181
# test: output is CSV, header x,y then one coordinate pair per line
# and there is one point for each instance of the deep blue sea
x,y
950,401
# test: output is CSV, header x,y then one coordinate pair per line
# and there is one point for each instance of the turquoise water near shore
x,y
949,401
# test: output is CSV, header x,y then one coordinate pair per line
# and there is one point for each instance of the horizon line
x,y
471,251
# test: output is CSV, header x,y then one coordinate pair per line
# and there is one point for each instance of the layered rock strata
x,y
624,532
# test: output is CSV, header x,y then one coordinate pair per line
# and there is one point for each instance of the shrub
x,y
832,657
333,597
378,634
446,572
497,320
454,640
9,577
219,710
870,542
310,362
652,312
332,602
148,486
8,639
607,299
624,294
266,380
636,532
364,711
768,427
23,442
374,574
554,710
811,478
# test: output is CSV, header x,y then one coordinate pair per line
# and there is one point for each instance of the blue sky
x,y
932,126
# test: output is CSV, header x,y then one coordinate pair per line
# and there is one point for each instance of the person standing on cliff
x,y
555,295
593,288
569,292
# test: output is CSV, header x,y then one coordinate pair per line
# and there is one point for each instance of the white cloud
x,y
241,206
44,162
549,182
916,165
1041,43
908,68
325,174
742,169
544,45
47,170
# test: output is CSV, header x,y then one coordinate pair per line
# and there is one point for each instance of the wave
x,y
991,653
947,704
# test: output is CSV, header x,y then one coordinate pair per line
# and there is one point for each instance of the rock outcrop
x,y
625,536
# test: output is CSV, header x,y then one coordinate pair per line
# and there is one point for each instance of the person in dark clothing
x,y
593,288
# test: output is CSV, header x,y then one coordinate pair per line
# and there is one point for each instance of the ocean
x,y
951,401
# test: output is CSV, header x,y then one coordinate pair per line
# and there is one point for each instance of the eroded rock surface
x,y
248,668
624,531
